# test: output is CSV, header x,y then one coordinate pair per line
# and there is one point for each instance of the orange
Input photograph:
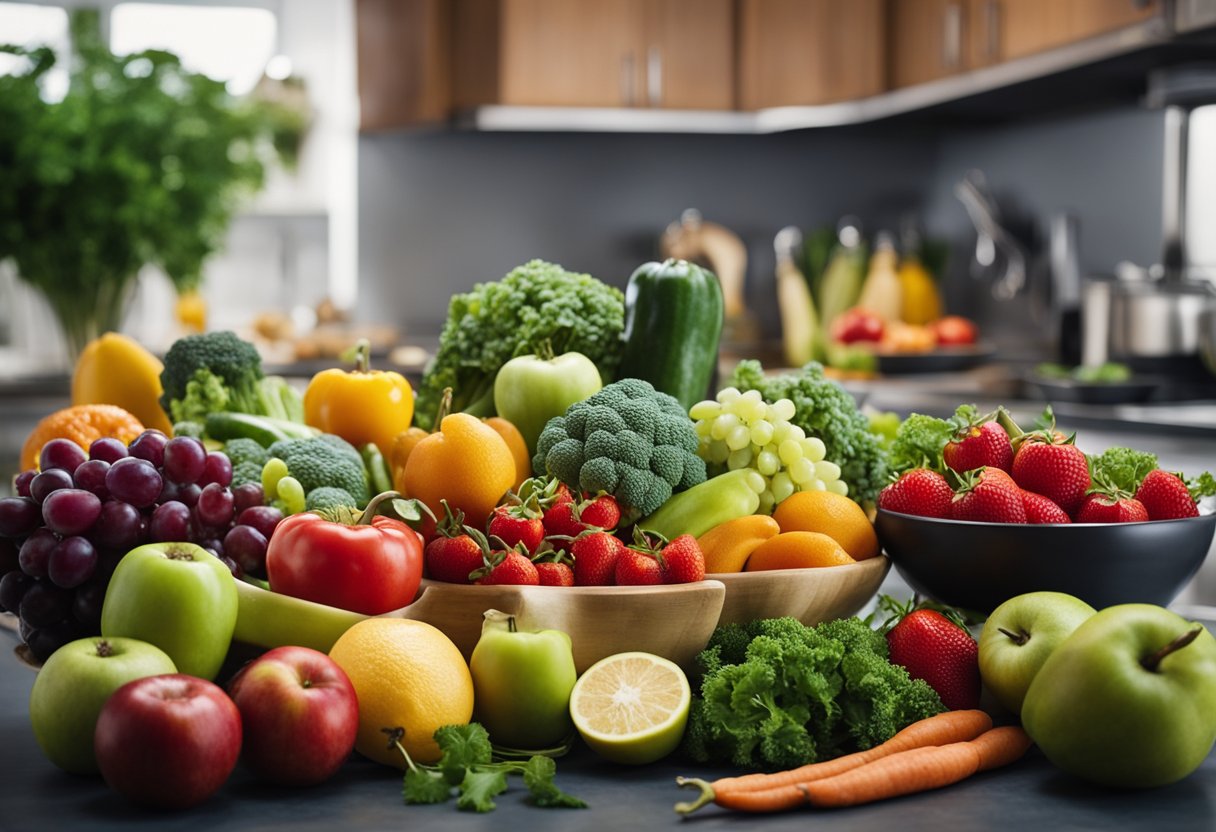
x,y
797,550
728,545
465,462
519,448
403,446
408,675
832,514
82,424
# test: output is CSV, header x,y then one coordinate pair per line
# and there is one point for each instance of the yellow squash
x,y
362,405
728,545
117,370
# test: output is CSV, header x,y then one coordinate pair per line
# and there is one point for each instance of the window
x,y
22,24
227,43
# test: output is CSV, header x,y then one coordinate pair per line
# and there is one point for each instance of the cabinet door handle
x,y
992,26
628,79
654,77
952,36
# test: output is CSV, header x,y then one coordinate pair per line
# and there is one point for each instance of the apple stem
x,y
1018,638
104,649
511,628
1151,662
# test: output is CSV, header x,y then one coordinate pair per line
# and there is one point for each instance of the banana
x,y
271,619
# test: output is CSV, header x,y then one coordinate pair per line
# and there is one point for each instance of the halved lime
x,y
631,707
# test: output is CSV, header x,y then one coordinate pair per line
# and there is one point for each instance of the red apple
x,y
168,741
300,715
954,330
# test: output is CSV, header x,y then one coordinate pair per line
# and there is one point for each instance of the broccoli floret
x,y
777,694
628,440
246,473
222,354
826,410
245,450
194,429
327,496
498,321
205,393
324,460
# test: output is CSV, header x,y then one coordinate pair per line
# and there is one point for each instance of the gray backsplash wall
x,y
439,212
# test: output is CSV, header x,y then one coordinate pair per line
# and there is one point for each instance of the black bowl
x,y
978,566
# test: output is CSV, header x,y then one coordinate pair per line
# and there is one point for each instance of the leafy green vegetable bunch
x,y
775,694
498,321
825,409
467,767
141,163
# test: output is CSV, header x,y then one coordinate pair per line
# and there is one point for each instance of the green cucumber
x,y
225,426
673,319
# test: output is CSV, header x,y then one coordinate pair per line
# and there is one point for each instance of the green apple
x,y
1019,636
177,596
1129,699
75,683
532,389
522,683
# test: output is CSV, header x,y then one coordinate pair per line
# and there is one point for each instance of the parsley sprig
x,y
467,768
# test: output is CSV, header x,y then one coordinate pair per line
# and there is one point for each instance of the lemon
x,y
631,707
407,675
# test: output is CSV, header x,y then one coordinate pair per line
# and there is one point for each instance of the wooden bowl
x,y
810,595
674,622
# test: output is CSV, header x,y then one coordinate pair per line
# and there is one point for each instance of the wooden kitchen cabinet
x,y
809,51
1022,27
927,40
596,53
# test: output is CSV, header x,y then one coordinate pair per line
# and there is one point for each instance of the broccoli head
x,y
324,460
498,321
247,458
235,362
327,496
628,440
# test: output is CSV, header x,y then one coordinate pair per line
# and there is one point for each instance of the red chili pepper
x,y
371,566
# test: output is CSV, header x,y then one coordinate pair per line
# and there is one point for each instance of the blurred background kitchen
x,y
1044,168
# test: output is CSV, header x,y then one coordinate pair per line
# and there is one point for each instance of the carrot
x,y
945,728
904,772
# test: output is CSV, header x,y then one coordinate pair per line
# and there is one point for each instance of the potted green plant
x,y
142,162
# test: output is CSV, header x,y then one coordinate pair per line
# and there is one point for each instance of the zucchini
x,y
225,426
673,319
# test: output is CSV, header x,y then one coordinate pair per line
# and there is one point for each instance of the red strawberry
x,y
518,524
553,573
1039,509
634,568
988,496
1055,468
921,492
456,551
940,651
682,561
595,557
511,568
978,442
1111,508
1165,496
601,512
560,517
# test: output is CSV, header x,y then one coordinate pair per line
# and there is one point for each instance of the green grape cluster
x,y
741,430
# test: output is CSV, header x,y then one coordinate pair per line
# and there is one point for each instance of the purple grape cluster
x,y
74,519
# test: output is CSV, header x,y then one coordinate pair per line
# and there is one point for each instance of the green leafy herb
x,y
919,442
467,766
538,777
478,788
1202,486
1122,469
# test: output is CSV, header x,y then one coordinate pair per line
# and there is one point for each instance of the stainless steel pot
x,y
1143,314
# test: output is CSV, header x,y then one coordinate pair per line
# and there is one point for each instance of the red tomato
x,y
953,330
371,569
857,325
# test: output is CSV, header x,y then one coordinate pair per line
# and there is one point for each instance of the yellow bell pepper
x,y
728,545
117,370
361,406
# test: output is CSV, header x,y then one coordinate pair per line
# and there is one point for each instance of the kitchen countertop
x,y
1028,795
